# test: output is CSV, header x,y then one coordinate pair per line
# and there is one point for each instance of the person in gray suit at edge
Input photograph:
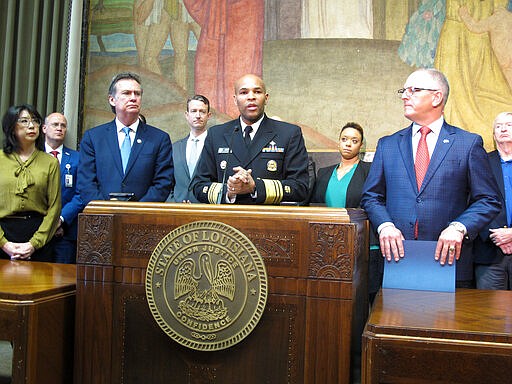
x,y
187,150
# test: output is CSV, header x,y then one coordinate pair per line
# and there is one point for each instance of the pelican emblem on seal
x,y
203,285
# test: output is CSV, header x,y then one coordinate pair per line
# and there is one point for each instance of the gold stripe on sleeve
x,y
213,192
273,191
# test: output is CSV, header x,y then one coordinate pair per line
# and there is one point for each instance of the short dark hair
x,y
122,76
356,126
9,121
201,98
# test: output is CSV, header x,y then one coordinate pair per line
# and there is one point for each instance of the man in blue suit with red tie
x,y
64,241
430,181
125,156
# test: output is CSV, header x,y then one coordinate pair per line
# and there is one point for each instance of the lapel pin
x,y
446,141
139,141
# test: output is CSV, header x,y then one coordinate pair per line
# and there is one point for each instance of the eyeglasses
x,y
409,91
26,122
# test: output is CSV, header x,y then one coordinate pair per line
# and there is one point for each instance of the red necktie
x,y
55,154
421,164
422,157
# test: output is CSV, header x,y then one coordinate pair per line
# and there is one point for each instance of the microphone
x,y
223,190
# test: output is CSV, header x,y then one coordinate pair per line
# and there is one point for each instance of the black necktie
x,y
247,135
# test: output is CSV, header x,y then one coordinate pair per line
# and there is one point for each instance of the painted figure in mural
x,y
337,19
499,27
419,43
153,21
478,86
252,159
224,54
430,181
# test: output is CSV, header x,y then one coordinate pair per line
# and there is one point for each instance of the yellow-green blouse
x,y
31,186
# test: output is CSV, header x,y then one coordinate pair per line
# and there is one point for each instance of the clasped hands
x,y
240,183
448,246
19,251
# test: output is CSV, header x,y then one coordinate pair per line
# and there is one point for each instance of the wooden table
x,y
37,310
434,337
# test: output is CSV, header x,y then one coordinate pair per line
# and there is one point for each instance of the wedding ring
x,y
451,249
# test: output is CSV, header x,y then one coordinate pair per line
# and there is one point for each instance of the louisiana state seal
x,y
206,285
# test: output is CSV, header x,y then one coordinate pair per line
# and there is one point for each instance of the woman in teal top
x,y
340,185
29,188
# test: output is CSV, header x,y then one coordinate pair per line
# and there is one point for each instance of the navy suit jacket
x,y
182,190
486,252
149,172
458,186
72,204
277,152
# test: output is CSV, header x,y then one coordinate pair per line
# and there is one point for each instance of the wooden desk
x,y
433,337
37,310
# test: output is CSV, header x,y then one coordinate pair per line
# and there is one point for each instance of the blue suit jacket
x,y
458,186
149,172
72,204
182,177
486,252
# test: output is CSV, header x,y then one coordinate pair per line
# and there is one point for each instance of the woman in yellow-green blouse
x,y
29,188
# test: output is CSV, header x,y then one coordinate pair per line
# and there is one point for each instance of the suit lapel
x,y
405,145
113,144
444,143
235,140
495,162
181,153
263,136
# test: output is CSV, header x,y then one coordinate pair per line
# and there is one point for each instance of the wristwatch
x,y
459,227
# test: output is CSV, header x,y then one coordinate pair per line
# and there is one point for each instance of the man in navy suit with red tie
x,y
126,155
457,196
64,241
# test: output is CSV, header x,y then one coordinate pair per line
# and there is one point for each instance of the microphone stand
x,y
230,151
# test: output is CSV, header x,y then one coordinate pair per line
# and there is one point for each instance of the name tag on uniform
x,y
223,150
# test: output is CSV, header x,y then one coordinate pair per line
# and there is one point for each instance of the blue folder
x,y
418,270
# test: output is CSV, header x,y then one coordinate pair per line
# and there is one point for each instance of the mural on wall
x,y
325,62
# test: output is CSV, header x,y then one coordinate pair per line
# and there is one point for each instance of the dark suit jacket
x,y
182,190
72,204
355,187
486,252
149,172
277,152
458,186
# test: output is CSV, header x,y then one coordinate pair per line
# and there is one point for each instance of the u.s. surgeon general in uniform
x,y
252,159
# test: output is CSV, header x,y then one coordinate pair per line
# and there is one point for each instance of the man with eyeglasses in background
x,y
493,247
430,181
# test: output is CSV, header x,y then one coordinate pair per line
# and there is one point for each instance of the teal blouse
x,y
336,192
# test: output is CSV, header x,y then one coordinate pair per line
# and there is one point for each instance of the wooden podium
x,y
316,261
437,337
